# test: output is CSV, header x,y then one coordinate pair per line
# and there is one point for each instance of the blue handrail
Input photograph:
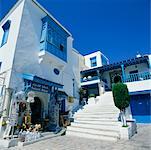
x,y
137,77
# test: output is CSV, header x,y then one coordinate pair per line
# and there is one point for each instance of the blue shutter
x,y
6,28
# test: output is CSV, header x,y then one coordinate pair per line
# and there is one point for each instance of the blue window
x,y
93,61
6,28
54,38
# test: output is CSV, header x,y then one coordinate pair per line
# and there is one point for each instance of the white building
x,y
95,59
136,73
37,54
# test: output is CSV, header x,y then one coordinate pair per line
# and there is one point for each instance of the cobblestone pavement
x,y
141,141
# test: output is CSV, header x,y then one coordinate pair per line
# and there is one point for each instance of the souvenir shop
x,y
35,109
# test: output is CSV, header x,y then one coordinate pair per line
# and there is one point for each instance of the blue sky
x,y
119,28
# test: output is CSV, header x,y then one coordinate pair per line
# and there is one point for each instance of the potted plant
x,y
70,99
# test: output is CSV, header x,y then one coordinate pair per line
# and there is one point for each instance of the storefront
x,y
45,108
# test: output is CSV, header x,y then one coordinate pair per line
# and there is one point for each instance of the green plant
x,y
91,95
121,99
125,126
70,99
4,123
121,95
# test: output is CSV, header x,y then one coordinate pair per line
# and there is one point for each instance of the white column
x,y
7,100
101,88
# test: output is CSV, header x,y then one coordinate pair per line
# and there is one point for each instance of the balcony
x,y
138,82
53,39
138,77
90,80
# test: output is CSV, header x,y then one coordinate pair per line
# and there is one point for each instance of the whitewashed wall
x,y
7,51
98,59
139,85
143,67
24,43
28,47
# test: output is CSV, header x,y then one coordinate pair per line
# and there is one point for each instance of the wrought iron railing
x,y
137,77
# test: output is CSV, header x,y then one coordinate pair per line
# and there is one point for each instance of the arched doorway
x,y
117,79
36,111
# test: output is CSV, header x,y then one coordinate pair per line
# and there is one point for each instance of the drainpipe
x,y
123,73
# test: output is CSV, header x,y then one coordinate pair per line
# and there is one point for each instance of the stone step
x,y
93,131
110,109
100,107
96,122
96,115
91,136
96,119
97,112
95,126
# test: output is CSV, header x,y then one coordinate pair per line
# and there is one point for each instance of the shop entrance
x,y
36,111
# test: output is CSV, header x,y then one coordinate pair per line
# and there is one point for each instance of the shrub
x,y
91,95
70,99
121,95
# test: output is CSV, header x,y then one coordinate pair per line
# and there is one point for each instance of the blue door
x,y
141,108
63,105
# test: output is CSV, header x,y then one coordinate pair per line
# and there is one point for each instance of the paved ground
x,y
141,141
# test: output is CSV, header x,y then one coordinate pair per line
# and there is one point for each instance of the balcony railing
x,y
138,77
89,79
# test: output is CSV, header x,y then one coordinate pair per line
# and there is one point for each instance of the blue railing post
x,y
123,73
138,76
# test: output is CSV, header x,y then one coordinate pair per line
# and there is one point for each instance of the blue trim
x,y
41,80
6,28
137,77
123,72
129,62
53,38
142,119
140,92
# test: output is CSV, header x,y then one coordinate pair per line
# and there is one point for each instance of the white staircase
x,y
97,120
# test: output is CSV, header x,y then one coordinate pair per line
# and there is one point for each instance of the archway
x,y
36,111
117,79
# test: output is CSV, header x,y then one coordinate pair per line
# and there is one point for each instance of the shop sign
x,y
40,87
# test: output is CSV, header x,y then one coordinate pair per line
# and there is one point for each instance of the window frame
x,y
93,61
6,28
